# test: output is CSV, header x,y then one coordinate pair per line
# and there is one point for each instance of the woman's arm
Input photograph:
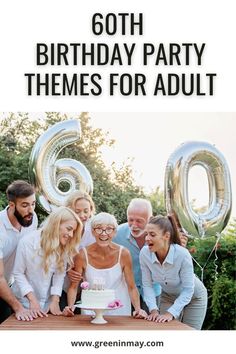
x,y
149,293
20,268
25,288
72,290
56,290
126,263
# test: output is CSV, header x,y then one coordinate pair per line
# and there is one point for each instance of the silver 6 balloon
x,y
46,172
213,220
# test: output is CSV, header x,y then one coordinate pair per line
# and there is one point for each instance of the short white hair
x,y
104,218
140,203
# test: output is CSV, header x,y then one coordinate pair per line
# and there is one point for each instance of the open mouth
x,y
103,239
150,245
28,217
135,230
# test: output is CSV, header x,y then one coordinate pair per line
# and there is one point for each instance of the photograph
x,y
119,220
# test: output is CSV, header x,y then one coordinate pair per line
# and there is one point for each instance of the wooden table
x,y
82,322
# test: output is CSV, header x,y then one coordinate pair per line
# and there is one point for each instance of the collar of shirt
x,y
132,240
169,258
6,221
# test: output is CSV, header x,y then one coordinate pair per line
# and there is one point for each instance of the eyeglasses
x,y
107,231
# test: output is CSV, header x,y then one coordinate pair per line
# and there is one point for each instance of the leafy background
x,y
113,189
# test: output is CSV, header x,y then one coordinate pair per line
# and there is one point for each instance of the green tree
x,y
17,134
156,198
113,188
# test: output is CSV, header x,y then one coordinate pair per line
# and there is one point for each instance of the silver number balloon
x,y
178,166
46,172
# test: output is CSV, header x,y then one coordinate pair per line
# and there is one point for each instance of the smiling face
x,y
137,220
156,238
66,231
104,234
83,210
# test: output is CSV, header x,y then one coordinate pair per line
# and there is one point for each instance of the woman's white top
x,y
175,275
29,274
114,279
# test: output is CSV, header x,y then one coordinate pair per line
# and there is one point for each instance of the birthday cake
x,y
97,296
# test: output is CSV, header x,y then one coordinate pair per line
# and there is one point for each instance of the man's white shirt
x,y
9,238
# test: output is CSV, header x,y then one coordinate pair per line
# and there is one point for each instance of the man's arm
x,y
6,294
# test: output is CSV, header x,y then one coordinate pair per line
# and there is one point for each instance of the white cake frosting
x,y
97,298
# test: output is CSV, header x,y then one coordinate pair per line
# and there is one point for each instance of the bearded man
x,y
17,219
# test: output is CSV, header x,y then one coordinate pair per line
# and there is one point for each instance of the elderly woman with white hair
x,y
107,260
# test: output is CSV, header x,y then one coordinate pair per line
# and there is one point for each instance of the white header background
x,y
24,23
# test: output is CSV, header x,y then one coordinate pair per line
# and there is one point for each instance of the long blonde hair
x,y
77,195
50,243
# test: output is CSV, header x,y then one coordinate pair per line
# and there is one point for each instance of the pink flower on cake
x,y
84,285
115,304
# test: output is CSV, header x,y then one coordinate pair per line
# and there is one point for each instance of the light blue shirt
x,y
124,238
175,275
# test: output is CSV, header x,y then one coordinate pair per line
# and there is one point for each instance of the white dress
x,y
114,279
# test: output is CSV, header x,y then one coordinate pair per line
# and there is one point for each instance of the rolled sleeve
x,y
57,283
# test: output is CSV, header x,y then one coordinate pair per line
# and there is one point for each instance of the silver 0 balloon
x,y
216,217
46,172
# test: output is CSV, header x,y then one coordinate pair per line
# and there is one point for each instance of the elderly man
x,y
132,236
16,220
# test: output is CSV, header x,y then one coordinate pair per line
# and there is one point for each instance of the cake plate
x,y
99,311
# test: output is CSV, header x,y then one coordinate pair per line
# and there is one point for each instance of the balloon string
x,y
214,249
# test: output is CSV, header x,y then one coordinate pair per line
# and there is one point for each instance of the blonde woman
x,y
82,204
41,260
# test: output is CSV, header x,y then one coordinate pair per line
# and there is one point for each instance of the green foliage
x,y
157,200
224,303
113,188
219,278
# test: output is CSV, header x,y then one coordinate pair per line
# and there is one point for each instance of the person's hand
x,y
36,310
54,307
182,234
74,276
23,314
166,317
183,238
153,315
140,314
68,311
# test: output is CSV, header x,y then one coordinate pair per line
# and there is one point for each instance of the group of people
x,y
144,260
